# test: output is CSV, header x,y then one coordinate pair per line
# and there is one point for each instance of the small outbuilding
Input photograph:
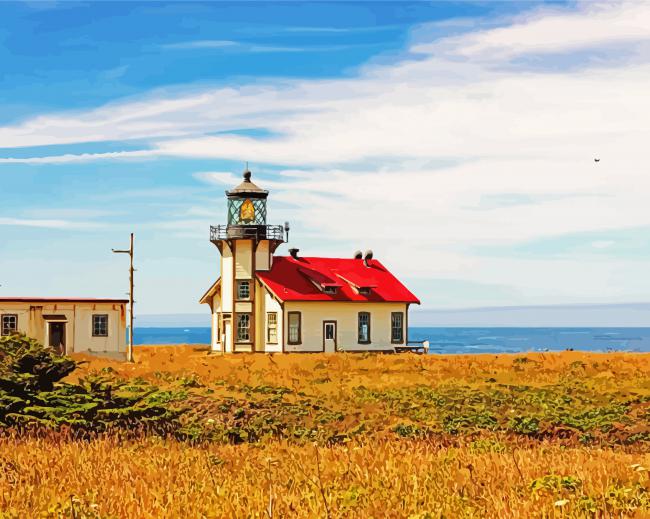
x,y
96,326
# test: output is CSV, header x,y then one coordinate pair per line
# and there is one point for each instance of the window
x,y
294,327
243,290
329,331
100,325
397,327
364,291
272,327
330,290
364,328
243,327
9,324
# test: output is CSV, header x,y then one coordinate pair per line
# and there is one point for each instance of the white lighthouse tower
x,y
246,244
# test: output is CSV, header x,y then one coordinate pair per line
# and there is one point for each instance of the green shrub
x,y
31,394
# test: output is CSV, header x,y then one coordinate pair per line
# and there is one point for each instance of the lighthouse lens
x,y
247,212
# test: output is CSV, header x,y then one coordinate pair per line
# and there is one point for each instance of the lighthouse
x,y
246,245
262,302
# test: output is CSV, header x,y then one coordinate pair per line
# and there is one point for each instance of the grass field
x,y
538,435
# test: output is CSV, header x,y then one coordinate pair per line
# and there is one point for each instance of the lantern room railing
x,y
252,232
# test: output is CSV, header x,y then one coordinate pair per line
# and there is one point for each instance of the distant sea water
x,y
467,340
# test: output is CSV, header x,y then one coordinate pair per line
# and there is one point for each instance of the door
x,y
227,336
329,336
57,336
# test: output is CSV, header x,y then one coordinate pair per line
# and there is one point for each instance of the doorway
x,y
329,336
227,336
56,333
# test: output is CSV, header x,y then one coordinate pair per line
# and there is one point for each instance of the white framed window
x,y
295,324
243,327
243,290
272,327
364,328
100,325
397,327
9,324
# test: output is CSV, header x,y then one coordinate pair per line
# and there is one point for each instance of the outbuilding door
x,y
56,334
329,336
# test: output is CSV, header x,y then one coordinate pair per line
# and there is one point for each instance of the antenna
x,y
129,251
286,229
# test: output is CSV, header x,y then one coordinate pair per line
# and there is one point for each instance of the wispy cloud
x,y
82,157
217,177
202,44
237,46
594,25
357,29
49,223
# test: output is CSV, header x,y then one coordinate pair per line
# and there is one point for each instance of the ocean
x,y
467,340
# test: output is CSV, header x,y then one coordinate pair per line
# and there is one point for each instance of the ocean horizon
x,y
465,339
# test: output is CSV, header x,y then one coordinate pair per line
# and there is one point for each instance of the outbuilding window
x,y
9,324
100,325
272,327
243,290
397,327
295,325
364,328
243,327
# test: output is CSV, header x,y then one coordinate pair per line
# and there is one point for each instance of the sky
x,y
456,140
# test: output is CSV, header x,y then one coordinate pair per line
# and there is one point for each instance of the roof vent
x,y
367,257
294,253
358,255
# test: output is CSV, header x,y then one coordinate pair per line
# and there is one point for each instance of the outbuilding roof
x,y
60,300
295,279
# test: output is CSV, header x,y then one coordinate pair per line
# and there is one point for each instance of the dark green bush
x,y
32,394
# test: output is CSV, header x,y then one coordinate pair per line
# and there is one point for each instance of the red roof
x,y
293,279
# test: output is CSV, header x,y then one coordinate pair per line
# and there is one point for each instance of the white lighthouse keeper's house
x,y
267,303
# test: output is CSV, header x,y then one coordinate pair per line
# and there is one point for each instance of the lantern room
x,y
247,203
246,217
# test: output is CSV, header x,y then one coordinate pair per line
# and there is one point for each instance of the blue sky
x,y
457,140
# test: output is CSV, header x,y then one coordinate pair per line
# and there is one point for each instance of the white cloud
x,y
252,47
218,177
602,244
81,157
595,24
201,44
48,223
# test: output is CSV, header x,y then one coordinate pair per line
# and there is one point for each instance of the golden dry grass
x,y
381,371
489,474
383,478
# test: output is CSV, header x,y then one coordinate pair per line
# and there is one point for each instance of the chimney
x,y
367,258
294,253
358,255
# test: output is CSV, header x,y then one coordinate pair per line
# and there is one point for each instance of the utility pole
x,y
129,349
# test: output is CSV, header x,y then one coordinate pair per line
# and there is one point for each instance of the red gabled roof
x,y
291,279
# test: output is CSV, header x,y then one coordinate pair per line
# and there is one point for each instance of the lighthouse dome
x,y
247,188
